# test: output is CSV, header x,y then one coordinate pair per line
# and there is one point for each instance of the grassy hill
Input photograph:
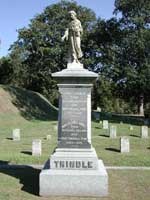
x,y
34,116
28,104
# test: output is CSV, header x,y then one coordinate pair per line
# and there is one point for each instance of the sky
x,y
16,14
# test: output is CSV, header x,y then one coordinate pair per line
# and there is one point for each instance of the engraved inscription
x,y
74,118
72,164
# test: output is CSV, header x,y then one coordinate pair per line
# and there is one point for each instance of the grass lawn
x,y
106,148
22,184
36,119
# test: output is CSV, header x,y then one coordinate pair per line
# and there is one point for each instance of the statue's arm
x,y
65,36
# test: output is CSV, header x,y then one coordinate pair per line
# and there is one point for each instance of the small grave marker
x,y
124,145
144,132
113,131
36,147
99,109
105,124
131,128
48,137
55,127
16,134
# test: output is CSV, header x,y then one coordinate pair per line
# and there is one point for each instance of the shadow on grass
x,y
132,135
8,138
28,176
103,135
27,152
148,147
31,104
3,162
98,127
113,149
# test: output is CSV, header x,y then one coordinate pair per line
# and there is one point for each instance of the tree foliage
x,y
134,50
38,52
117,49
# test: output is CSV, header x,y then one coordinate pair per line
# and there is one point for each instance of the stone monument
x,y
74,169
105,124
144,131
113,131
16,134
124,144
36,147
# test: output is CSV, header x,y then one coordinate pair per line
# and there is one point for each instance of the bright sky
x,y
16,14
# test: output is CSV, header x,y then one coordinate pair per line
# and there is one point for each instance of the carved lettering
x,y
73,164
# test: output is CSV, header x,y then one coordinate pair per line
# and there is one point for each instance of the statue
x,y
73,36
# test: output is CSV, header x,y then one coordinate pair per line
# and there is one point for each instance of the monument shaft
x,y
74,116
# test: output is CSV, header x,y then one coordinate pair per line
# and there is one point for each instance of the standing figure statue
x,y
73,36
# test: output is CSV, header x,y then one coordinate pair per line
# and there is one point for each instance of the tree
x,y
133,52
39,51
105,39
6,70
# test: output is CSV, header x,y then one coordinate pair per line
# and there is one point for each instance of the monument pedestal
x,y
74,168
77,182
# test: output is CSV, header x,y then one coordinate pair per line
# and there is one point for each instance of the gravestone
x,y
16,134
74,166
36,147
105,124
48,137
124,145
113,131
144,132
131,128
99,109
56,128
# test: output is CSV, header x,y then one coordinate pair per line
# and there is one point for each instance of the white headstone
x,y
48,137
124,145
144,132
105,124
113,131
55,127
36,147
99,109
131,128
16,134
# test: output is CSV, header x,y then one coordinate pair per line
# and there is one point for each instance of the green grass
x,y
22,184
106,148
19,151
37,118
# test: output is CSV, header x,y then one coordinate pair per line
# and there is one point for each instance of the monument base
x,y
74,177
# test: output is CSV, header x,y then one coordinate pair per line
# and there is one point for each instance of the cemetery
x,y
19,153
71,124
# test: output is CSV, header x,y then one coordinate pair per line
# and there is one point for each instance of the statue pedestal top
x,y
75,74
